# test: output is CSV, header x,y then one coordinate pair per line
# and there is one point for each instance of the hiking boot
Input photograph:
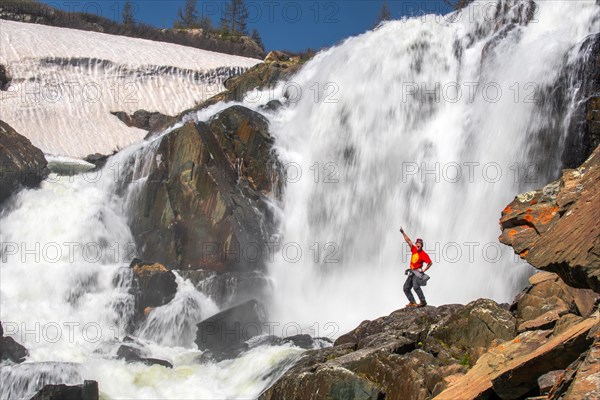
x,y
422,304
411,304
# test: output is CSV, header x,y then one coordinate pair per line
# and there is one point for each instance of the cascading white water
x,y
374,135
65,296
65,84
406,126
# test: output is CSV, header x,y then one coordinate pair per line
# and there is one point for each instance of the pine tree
x,y
384,13
188,18
257,39
236,17
128,11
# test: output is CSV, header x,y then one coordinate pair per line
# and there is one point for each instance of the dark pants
x,y
413,283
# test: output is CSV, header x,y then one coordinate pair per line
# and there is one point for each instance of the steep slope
x,y
65,82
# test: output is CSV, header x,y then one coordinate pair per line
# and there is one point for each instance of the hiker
x,y
416,271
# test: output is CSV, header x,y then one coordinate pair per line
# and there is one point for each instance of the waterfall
x,y
404,125
431,123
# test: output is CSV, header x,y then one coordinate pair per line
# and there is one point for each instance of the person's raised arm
x,y
410,244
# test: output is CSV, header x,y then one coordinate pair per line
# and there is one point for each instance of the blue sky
x,y
283,24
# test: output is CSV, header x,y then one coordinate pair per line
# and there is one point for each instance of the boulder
x,y
555,229
409,354
224,335
548,299
87,391
10,349
511,370
21,163
132,354
548,380
205,205
474,328
153,286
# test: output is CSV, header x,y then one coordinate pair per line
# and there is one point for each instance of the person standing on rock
x,y
416,271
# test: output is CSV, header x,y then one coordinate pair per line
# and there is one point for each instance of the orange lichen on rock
x,y
149,268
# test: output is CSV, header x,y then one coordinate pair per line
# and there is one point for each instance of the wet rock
x,y
228,288
132,354
224,335
87,391
99,160
583,132
272,105
205,202
10,349
21,163
555,229
153,285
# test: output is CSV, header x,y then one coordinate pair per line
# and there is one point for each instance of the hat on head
x,y
419,240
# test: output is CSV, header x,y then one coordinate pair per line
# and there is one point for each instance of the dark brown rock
x,y
262,76
87,391
152,122
224,334
153,286
10,349
586,382
21,164
409,354
4,77
555,229
204,205
132,355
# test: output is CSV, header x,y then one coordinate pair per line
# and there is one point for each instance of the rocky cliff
x,y
482,350
556,228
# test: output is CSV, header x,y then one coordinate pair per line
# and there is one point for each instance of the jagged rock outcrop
x,y
204,205
149,121
10,349
277,66
153,286
87,391
474,351
21,163
511,369
224,335
556,228
410,354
